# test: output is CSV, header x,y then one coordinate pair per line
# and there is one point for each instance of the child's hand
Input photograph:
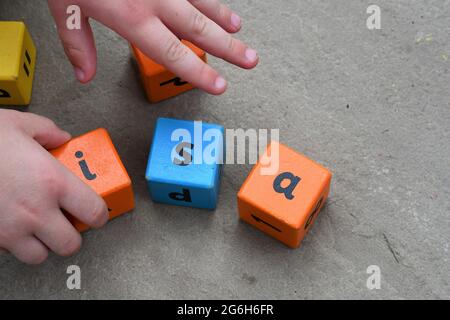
x,y
35,187
155,27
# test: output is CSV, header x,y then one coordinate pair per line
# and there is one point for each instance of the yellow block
x,y
17,63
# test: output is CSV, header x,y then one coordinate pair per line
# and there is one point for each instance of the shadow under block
x,y
284,204
17,63
93,158
184,166
159,83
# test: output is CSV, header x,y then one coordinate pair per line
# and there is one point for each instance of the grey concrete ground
x,y
373,106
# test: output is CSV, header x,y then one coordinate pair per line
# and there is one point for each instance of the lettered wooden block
x,y
159,83
286,204
17,63
185,161
93,158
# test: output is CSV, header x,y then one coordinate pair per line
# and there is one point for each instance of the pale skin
x,y
156,27
36,188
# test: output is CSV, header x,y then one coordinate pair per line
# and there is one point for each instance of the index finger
x,y
189,23
165,48
136,23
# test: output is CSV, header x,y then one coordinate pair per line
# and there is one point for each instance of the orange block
x,y
93,158
159,83
286,204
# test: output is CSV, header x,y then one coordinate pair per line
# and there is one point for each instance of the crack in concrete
x,y
391,249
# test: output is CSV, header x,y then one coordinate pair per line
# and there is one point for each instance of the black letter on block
x,y
25,67
186,155
84,167
176,82
185,196
288,190
4,94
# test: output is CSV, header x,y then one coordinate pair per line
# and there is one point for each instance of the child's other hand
x,y
155,26
35,187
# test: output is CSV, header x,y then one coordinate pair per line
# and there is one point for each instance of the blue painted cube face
x,y
185,163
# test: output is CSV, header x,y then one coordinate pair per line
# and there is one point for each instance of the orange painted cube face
x,y
159,83
285,204
93,158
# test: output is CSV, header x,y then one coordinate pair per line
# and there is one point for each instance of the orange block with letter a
x,y
93,158
160,83
284,204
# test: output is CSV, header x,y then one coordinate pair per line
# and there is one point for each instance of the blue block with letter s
x,y
185,163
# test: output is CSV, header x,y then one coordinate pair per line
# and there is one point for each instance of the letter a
x,y
289,189
74,280
73,22
374,20
374,280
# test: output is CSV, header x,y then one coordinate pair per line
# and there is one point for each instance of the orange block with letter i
x,y
285,203
159,83
93,158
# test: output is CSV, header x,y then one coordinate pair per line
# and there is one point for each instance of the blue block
x,y
185,163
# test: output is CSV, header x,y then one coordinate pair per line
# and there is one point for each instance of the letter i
x,y
84,167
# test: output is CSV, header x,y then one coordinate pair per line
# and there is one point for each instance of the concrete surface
x,y
373,106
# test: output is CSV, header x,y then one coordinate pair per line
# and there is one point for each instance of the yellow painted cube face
x,y
17,63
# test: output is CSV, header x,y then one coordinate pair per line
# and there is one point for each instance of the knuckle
x,y
71,49
231,43
51,182
70,246
175,51
6,236
48,123
135,12
222,11
99,214
200,24
198,3
10,117
35,258
32,219
42,121
203,72
134,6
27,214
9,113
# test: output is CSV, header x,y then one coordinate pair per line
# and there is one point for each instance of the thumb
x,y
43,130
78,43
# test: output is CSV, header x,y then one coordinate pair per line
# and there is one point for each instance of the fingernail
x,y
220,83
235,20
67,134
79,74
251,55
